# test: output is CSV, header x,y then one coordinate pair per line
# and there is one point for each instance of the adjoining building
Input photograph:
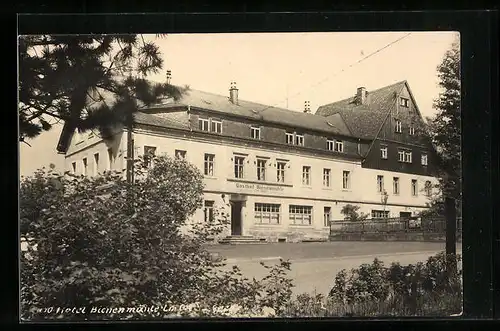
x,y
286,174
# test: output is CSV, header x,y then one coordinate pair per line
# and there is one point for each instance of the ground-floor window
x,y
208,211
300,214
380,214
267,213
327,212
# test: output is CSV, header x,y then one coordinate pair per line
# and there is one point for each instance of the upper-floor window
x,y
149,153
306,175
423,159
280,171
204,124
239,162
180,154
261,169
255,132
294,138
327,177
398,127
411,130
210,124
395,185
209,164
339,146
73,167
346,180
299,139
216,126
404,102
404,156
414,188
96,163
383,152
110,158
380,184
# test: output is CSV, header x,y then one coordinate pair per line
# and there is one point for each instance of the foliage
x,y
88,82
399,286
445,126
350,213
102,242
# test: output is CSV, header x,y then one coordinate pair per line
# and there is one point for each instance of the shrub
x,y
351,213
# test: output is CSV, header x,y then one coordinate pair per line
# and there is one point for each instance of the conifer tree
x,y
86,81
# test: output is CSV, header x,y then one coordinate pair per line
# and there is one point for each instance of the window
x,y
299,140
412,130
208,211
414,188
280,172
96,163
110,158
395,185
266,213
404,102
180,154
398,127
203,124
73,167
380,214
327,213
423,159
380,184
216,126
238,166
383,152
300,215
149,153
306,175
208,166
261,169
404,156
330,145
346,180
428,188
326,177
85,166
339,146
255,132
289,138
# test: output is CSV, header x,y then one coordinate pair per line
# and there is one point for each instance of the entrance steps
x,y
235,240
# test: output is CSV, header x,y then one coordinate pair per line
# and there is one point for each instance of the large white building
x,y
286,174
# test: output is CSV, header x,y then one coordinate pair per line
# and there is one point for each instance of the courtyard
x,y
314,265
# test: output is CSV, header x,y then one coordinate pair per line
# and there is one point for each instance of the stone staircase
x,y
238,240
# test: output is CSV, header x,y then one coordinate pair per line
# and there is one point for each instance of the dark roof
x,y
256,111
364,120
162,121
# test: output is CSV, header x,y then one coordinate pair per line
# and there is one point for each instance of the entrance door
x,y
236,218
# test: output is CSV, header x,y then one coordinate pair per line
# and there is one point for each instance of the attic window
x,y
404,102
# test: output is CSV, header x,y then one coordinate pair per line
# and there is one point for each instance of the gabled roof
x,y
256,111
365,120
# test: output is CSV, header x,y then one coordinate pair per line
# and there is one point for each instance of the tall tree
x,y
86,81
445,128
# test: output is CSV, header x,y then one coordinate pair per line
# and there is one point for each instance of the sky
x,y
286,69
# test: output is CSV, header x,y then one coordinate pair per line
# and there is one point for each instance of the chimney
x,y
361,96
169,76
233,93
307,107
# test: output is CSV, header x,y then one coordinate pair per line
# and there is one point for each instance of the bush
x,y
410,287
351,213
102,242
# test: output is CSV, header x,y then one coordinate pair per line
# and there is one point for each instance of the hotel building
x,y
286,174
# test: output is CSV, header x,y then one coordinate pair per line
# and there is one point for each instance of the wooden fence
x,y
402,229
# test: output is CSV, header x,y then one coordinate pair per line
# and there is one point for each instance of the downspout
x,y
376,136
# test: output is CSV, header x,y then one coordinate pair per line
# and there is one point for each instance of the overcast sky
x,y
285,69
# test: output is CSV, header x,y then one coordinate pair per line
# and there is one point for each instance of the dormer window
x,y
289,138
294,138
210,124
335,145
299,139
404,102
412,130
